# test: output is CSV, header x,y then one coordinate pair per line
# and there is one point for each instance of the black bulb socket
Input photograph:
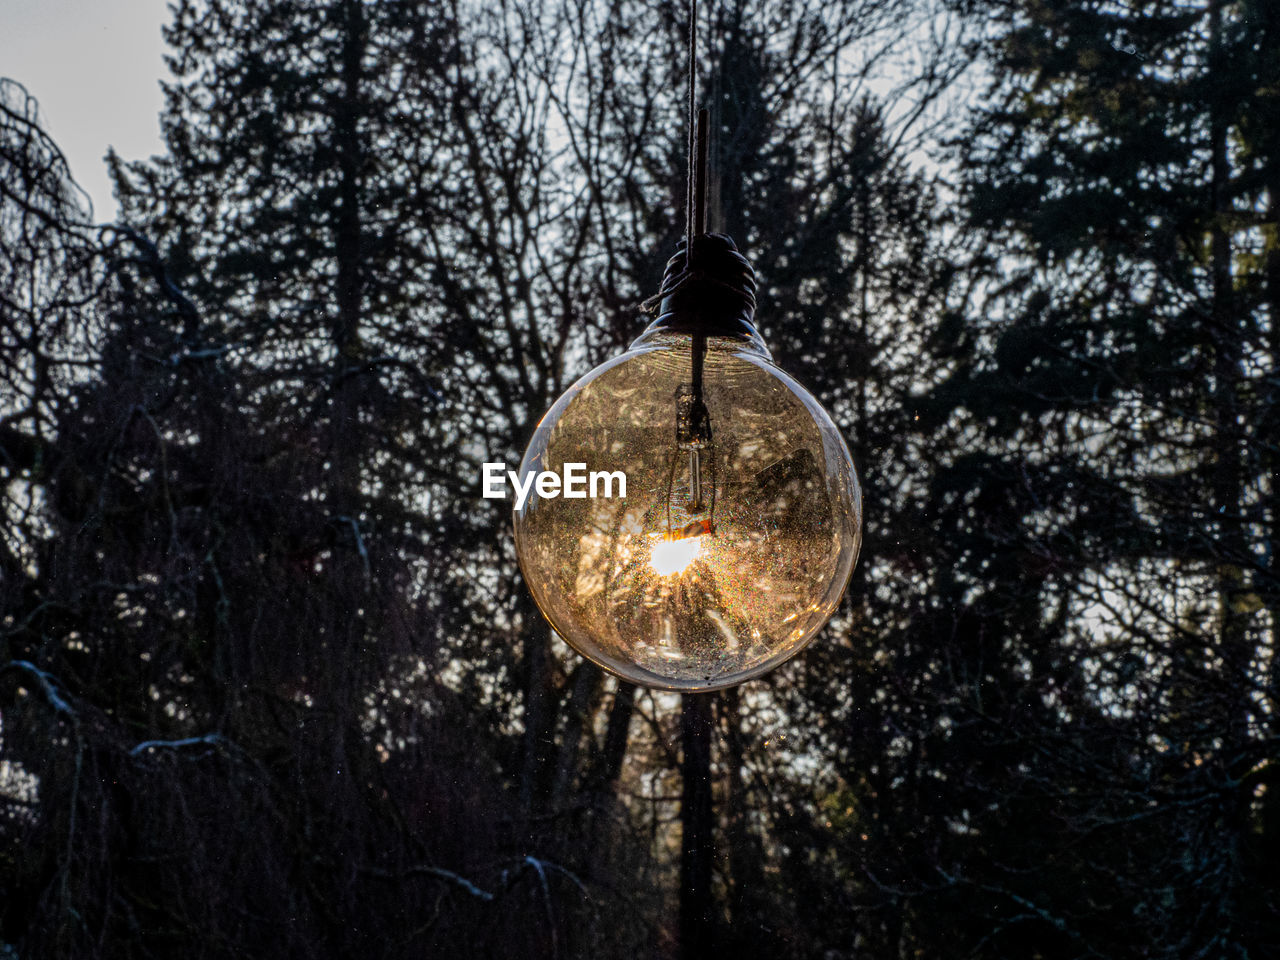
x,y
712,293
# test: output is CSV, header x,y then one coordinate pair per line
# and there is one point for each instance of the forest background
x,y
270,684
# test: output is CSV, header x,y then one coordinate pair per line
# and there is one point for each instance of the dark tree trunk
x,y
348,251
1271,150
606,764
615,736
583,700
697,927
347,242
539,717
744,853
1273,530
1228,482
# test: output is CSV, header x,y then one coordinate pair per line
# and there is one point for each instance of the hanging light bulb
x,y
742,516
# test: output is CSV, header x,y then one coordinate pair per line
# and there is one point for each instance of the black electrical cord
x,y
708,291
695,212
695,227
693,216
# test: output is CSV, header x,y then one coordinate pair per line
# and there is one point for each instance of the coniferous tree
x,y
1101,526
401,232
216,740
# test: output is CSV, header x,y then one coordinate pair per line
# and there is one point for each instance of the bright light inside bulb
x,y
670,557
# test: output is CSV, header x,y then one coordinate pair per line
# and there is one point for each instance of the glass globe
x,y
732,545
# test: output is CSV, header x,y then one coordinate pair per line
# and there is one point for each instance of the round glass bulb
x,y
732,546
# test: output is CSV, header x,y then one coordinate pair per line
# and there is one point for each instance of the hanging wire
x,y
696,200
691,182
695,225
695,173
693,421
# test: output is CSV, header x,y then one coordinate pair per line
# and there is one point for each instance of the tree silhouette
x,y
270,681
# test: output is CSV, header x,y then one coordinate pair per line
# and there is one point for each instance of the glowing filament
x,y
670,557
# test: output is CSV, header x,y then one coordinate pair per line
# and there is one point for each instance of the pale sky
x,y
94,66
